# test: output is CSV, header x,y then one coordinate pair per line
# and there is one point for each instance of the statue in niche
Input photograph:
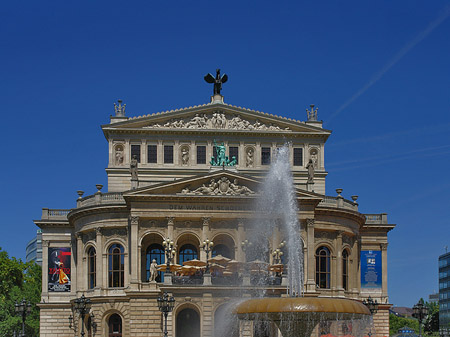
x,y
119,155
249,158
314,158
185,156
134,168
310,168
153,271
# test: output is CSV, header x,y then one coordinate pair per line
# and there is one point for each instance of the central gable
x,y
220,183
216,117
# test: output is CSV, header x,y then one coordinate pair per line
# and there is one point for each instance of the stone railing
x,y
338,202
376,218
56,214
101,199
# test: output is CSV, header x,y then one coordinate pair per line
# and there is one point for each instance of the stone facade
x,y
179,195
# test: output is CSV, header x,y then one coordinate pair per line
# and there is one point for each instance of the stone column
x,y
169,234
133,250
79,270
45,244
384,269
239,239
356,268
159,152
126,152
310,278
339,265
99,262
205,235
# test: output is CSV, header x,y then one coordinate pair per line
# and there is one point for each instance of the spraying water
x,y
278,203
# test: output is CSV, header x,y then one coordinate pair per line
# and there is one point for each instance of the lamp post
x,y
207,247
372,305
22,309
82,305
170,252
278,253
165,305
420,311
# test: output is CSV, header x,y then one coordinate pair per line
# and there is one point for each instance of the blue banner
x,y
371,271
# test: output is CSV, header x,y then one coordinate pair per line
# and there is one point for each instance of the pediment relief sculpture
x,y
222,187
218,120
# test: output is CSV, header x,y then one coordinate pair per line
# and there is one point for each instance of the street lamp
x,y
372,305
165,305
278,253
245,247
420,311
23,309
170,252
82,305
207,247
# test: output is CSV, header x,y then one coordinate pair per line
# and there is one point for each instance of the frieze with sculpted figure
x,y
222,187
218,120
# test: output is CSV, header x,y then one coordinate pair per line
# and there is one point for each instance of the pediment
x,y
221,183
215,117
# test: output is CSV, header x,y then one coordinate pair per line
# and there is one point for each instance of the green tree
x,y
396,323
431,323
18,281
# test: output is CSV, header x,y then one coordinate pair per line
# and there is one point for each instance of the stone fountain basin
x,y
298,316
302,305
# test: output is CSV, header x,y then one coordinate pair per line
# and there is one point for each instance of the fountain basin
x,y
298,316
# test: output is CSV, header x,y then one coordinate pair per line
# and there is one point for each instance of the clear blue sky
x,y
379,71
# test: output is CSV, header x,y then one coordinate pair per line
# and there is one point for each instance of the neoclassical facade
x,y
161,184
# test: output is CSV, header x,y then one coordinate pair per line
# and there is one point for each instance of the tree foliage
x,y
396,323
431,323
18,281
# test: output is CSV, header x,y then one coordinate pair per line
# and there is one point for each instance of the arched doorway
x,y
115,326
223,245
187,323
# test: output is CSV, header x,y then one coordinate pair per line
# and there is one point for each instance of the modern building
x,y
162,185
34,249
433,298
444,294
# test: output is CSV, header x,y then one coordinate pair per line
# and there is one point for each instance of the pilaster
x,y
339,265
133,249
205,235
240,238
310,277
99,264
79,270
384,284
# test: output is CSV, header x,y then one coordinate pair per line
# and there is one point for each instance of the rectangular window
x,y
152,154
298,156
201,154
265,156
215,152
234,152
168,154
136,151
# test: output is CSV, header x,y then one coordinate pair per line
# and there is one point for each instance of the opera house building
x,y
177,218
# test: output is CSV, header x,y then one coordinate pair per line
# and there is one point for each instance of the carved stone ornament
x,y
134,220
217,120
348,240
115,232
222,187
325,235
89,236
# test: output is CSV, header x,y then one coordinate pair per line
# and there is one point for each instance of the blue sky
x,y
378,71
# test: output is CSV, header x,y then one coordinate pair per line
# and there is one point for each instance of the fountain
x,y
294,315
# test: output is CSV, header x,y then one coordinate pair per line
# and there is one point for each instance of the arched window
x,y
188,323
155,252
323,267
92,267
115,326
221,249
187,252
345,269
116,263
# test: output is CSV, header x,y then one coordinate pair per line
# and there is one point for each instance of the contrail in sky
x,y
375,78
